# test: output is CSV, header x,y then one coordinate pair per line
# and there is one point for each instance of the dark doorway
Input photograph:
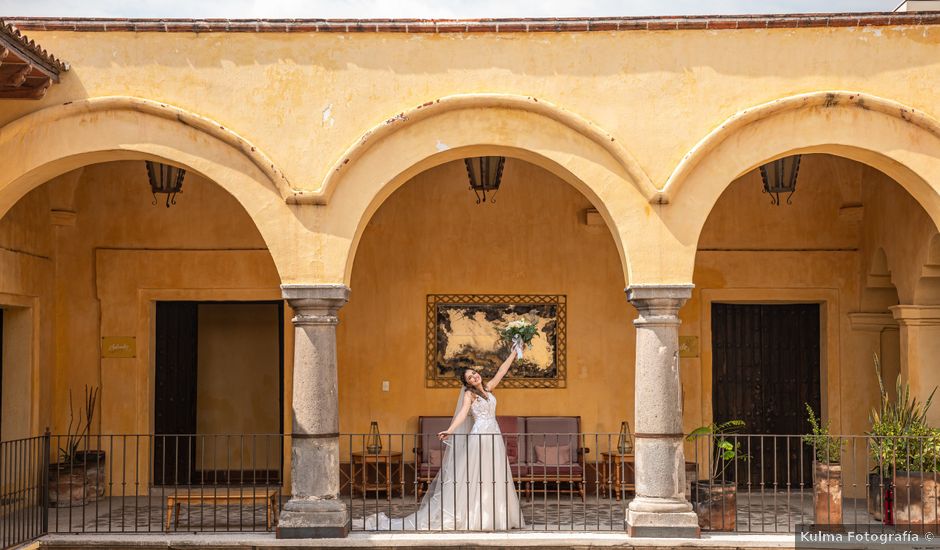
x,y
182,452
765,368
174,422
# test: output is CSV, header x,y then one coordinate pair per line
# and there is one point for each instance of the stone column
x,y
315,509
920,346
660,508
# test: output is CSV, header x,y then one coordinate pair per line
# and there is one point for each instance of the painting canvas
x,y
463,331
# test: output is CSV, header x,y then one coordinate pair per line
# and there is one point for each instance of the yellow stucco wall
x,y
115,218
325,151
237,386
237,373
26,296
620,114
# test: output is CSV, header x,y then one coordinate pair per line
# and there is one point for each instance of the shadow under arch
x,y
902,143
455,127
47,143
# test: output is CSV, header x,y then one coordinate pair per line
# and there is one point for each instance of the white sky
x,y
430,9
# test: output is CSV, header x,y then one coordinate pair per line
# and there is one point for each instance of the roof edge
x,y
508,25
12,36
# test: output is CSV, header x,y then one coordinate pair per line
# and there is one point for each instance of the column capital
x,y
916,316
315,304
658,303
872,322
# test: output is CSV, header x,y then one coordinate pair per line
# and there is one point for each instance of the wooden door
x,y
765,367
175,393
1,370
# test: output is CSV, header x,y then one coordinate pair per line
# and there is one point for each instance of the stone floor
x,y
414,541
766,513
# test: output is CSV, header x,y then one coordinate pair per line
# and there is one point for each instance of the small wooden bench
x,y
220,496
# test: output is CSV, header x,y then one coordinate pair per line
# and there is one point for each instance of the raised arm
x,y
458,420
503,369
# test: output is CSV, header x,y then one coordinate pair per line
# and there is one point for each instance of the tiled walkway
x,y
757,513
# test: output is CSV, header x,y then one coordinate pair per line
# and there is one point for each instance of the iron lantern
x,y
625,441
484,174
374,439
165,179
779,176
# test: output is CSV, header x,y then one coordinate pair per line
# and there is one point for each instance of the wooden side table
x,y
373,472
618,473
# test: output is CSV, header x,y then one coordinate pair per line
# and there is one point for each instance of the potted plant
x,y
827,472
78,476
714,499
905,453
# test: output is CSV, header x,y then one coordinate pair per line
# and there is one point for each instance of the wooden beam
x,y
26,93
15,74
17,77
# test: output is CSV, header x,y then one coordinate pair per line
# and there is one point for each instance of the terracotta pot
x,y
715,503
77,483
915,500
827,493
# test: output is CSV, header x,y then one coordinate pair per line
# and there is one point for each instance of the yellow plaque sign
x,y
118,347
688,346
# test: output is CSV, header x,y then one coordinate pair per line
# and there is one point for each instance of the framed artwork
x,y
463,331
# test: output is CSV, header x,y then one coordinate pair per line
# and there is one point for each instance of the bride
x,y
474,488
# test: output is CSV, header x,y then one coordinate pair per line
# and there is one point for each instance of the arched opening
x,y
429,244
791,301
93,263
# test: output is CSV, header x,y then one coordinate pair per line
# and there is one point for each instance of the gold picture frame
x,y
461,330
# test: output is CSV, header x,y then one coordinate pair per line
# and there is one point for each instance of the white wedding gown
x,y
474,490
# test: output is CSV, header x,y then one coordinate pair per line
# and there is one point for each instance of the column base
x,y
661,518
313,519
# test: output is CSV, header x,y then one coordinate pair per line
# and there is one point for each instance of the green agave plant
x,y
900,438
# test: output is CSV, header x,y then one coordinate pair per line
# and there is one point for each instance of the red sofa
x,y
533,447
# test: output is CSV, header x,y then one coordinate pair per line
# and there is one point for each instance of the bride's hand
x,y
442,435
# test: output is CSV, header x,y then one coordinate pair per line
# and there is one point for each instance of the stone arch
x,y
485,124
898,140
50,142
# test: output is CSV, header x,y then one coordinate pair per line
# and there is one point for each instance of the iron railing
x,y
23,490
784,484
146,483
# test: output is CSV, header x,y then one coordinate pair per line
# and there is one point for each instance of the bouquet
x,y
519,333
